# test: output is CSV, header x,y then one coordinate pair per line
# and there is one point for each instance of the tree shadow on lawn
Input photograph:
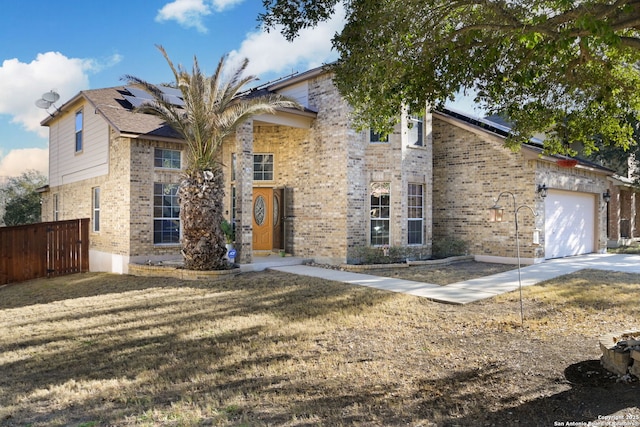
x,y
446,402
81,285
84,285
169,393
159,370
130,340
594,393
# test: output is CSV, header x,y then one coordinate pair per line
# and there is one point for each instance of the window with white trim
x,y
78,133
233,204
96,209
166,214
415,216
166,159
416,131
380,210
263,167
56,211
233,166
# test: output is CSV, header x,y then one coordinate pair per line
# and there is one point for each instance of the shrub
x,y
448,247
229,231
396,254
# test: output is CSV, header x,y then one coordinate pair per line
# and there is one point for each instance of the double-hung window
x,y
415,217
263,167
79,126
233,204
416,131
167,159
233,166
380,210
96,209
166,214
56,209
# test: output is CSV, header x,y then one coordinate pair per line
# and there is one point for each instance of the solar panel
x,y
139,96
137,102
170,91
138,93
174,100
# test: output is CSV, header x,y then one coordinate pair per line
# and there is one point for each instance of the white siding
x,y
67,166
299,92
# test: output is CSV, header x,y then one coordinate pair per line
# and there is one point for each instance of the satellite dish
x,y
47,100
43,103
51,96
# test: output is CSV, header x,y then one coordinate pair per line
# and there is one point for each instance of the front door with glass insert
x,y
268,212
262,219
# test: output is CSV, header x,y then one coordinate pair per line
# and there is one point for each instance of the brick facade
x,y
623,213
473,167
327,171
126,211
326,168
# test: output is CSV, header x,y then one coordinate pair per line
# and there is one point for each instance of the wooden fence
x,y
45,249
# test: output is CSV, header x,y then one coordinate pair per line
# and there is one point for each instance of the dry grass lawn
x,y
276,349
443,274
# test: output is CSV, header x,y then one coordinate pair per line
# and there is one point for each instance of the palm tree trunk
x,y
201,195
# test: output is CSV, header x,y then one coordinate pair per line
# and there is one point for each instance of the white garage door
x,y
569,227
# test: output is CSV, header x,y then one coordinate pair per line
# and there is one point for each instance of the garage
x,y
570,225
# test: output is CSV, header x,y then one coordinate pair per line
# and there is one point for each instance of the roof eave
x,y
62,109
530,151
314,72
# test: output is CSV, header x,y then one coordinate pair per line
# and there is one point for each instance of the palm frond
x,y
213,107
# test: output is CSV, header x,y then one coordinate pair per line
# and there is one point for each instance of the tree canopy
x,y
22,201
563,67
623,161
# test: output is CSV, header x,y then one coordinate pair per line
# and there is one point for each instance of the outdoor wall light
x,y
542,190
496,213
536,237
606,196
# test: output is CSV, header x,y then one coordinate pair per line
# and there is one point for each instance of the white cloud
x,y
20,160
272,53
221,5
188,13
21,84
97,65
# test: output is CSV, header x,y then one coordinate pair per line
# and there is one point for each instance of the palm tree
x,y
213,109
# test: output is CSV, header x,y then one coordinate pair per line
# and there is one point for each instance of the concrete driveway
x,y
483,287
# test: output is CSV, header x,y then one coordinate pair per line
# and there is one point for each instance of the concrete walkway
x,y
481,288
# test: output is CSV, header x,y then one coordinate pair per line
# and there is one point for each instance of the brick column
x,y
614,215
244,192
635,215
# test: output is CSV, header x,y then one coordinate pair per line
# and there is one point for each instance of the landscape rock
x,y
619,352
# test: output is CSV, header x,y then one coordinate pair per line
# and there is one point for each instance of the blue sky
x,y
73,45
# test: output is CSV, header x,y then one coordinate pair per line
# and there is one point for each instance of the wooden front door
x,y
262,219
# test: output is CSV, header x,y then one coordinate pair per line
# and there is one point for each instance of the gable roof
x,y
500,131
117,111
112,104
298,77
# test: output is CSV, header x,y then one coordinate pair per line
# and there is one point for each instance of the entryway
x,y
268,212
